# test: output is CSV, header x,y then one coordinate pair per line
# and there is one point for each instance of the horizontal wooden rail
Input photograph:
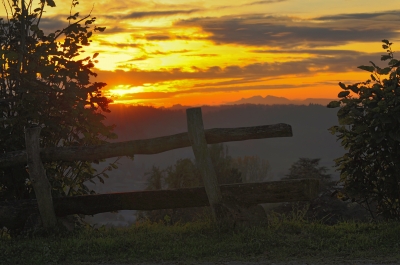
x,y
147,146
14,214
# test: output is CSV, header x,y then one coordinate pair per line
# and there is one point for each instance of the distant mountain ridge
x,y
272,100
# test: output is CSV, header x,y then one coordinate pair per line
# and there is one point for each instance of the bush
x,y
369,129
42,82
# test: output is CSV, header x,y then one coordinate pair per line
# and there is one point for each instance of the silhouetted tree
x,y
252,168
42,82
309,168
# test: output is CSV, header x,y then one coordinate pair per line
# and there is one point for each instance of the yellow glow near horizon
x,y
122,90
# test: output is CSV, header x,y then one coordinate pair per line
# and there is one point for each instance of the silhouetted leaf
x,y
334,104
100,179
393,62
343,86
367,68
343,94
384,71
101,29
51,3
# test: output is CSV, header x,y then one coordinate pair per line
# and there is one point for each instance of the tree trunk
x,y
14,214
38,178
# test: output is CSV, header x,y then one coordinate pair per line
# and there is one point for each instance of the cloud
x,y
147,55
157,52
249,4
157,37
120,45
139,58
290,32
150,95
51,24
235,75
160,95
263,2
324,52
394,15
173,12
203,54
153,14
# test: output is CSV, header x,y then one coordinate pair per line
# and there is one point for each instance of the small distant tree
x,y
183,174
253,168
225,169
309,168
43,82
156,179
369,129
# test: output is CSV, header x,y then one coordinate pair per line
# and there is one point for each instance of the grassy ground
x,y
281,240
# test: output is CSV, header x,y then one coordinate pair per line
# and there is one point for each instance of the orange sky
x,y
168,52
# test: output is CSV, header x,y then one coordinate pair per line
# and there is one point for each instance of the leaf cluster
x,y
42,83
369,129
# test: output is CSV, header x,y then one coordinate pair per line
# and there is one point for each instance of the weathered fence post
x,y
37,175
203,159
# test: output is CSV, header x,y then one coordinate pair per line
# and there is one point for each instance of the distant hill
x,y
272,100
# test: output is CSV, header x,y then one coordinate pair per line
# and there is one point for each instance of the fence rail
x,y
147,146
225,201
14,214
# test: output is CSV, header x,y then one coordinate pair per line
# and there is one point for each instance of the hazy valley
x,y
311,139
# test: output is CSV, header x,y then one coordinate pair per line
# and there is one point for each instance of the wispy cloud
x,y
161,95
393,15
236,75
153,14
290,32
264,2
203,54
324,52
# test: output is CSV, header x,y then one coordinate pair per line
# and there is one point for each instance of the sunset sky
x,y
170,52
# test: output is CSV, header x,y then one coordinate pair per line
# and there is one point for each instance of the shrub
x,y
369,129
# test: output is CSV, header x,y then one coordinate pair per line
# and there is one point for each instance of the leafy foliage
x,y
369,129
42,82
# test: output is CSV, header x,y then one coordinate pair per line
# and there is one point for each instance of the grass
x,y
283,239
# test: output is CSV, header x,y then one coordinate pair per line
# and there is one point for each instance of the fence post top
x,y
193,109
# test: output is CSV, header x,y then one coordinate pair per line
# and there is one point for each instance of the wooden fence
x,y
226,201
